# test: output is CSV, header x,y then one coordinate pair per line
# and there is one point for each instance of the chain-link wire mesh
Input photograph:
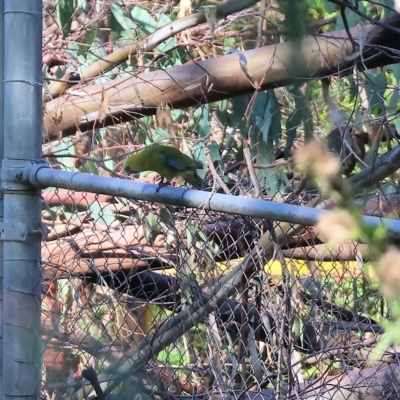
x,y
152,300
117,272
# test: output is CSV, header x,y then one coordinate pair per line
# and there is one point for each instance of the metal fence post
x,y
20,231
1,192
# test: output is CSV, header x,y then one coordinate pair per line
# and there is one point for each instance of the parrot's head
x,y
133,164
129,170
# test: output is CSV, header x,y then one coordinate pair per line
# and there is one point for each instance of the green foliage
x,y
65,9
101,213
301,114
124,21
173,355
292,123
261,119
265,134
295,12
392,333
329,6
350,17
144,20
239,107
88,40
200,121
214,151
376,85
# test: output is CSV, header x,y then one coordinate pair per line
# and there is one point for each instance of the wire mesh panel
x,y
153,300
196,308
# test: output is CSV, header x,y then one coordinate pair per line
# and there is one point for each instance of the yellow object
x,y
299,268
167,161
333,269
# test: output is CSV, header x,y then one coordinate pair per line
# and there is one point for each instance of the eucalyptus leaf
x,y
129,35
102,213
163,20
302,106
125,22
213,247
353,91
394,99
221,113
110,164
214,151
329,6
271,180
166,216
202,120
352,18
388,188
375,85
59,73
308,124
190,233
143,18
335,141
151,227
171,239
265,115
370,156
88,40
275,130
79,218
92,167
115,28
265,122
239,107
159,134
260,114
292,123
81,5
167,46
395,68
96,53
177,115
65,147
65,10
397,124
51,212
197,152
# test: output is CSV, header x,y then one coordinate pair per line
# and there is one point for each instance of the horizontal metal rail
x,y
43,177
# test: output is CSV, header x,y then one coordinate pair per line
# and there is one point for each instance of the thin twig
x,y
252,172
281,163
214,173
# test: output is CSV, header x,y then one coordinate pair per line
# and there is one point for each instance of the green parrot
x,y
169,162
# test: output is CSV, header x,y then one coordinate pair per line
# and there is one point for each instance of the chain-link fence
x,y
200,308
275,278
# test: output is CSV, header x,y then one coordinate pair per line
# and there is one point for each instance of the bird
x,y
167,161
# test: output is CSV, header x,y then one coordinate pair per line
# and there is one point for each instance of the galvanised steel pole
x,y
20,231
1,192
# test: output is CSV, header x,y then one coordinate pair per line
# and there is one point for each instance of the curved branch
x,y
194,83
381,169
220,78
149,43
